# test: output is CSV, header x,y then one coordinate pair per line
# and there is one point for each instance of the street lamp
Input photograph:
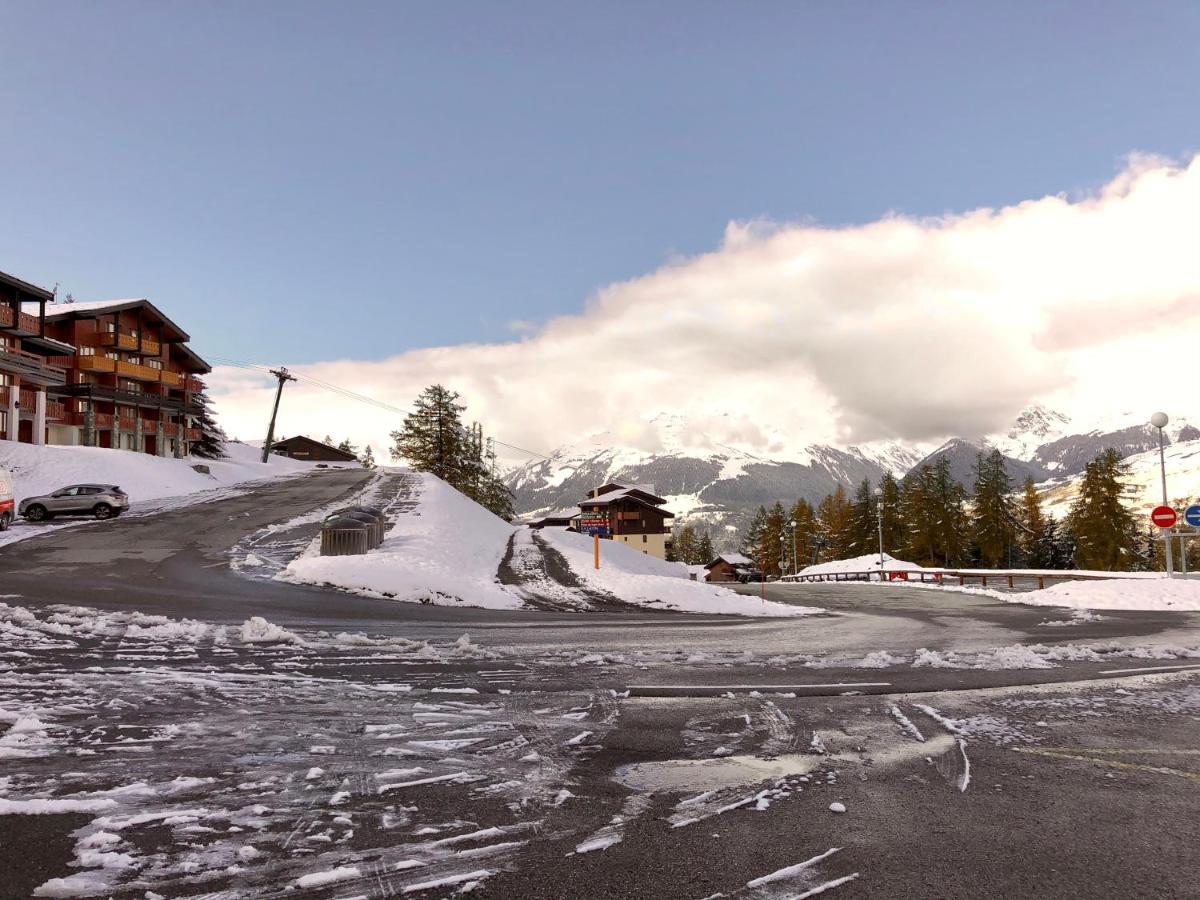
x,y
1159,420
782,555
795,559
879,523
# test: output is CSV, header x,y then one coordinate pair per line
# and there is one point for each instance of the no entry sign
x,y
1163,516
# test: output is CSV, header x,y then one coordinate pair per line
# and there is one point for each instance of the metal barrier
x,y
344,536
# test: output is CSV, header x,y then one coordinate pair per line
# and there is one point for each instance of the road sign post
x,y
1165,518
596,547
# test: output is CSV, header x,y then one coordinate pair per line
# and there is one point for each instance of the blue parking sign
x,y
1191,515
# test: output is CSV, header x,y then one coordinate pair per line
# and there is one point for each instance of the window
x,y
154,363
110,327
86,351
5,379
110,355
136,360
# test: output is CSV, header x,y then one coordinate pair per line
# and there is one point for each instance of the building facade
x,y
728,567
28,364
132,381
631,515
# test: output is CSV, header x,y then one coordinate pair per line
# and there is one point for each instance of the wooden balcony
x,y
123,341
192,434
23,323
42,370
87,363
136,371
171,379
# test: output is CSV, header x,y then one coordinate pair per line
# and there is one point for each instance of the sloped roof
x,y
88,308
635,492
734,559
287,443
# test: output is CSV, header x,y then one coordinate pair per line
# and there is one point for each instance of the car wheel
x,y
5,521
36,513
102,511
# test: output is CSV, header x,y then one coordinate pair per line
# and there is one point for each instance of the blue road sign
x,y
1191,515
596,529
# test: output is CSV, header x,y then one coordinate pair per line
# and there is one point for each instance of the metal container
x,y
344,536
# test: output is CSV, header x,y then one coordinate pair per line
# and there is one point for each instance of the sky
x,y
786,221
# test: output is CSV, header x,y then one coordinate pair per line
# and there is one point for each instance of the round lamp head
x,y
1159,420
879,492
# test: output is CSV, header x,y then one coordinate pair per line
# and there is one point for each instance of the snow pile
x,y
446,551
1161,593
643,580
257,630
868,563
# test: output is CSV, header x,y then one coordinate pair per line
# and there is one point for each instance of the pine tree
x,y
931,506
864,537
834,516
893,524
1104,530
704,549
752,538
773,540
433,439
212,437
368,458
328,441
685,544
805,520
347,447
993,512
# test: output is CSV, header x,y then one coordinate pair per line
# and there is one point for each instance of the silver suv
x,y
100,500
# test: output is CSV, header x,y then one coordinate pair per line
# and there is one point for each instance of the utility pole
x,y
283,375
879,523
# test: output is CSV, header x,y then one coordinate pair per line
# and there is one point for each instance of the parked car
x,y
751,577
6,499
100,500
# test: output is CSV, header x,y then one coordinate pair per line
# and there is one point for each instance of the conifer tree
x,y
368,458
993,512
1104,530
212,437
347,447
752,538
864,537
834,516
685,544
893,524
773,540
433,439
805,518
704,549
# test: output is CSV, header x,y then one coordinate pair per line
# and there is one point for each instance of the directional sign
x,y
1191,515
1163,516
598,530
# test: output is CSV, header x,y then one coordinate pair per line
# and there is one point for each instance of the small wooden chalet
x,y
632,515
559,518
305,448
727,567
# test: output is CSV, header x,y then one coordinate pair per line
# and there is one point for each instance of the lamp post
x,y
782,555
879,523
1159,420
795,558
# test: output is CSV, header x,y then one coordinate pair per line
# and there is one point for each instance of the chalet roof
x,y
91,308
734,559
642,492
37,293
290,443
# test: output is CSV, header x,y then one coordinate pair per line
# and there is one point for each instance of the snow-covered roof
x,y
646,492
567,513
734,559
93,305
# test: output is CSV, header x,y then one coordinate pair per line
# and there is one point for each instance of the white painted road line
x,y
1150,669
704,690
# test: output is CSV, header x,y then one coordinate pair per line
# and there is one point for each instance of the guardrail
x,y
963,576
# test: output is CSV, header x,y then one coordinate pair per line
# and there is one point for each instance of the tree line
x,y
690,545
435,439
930,519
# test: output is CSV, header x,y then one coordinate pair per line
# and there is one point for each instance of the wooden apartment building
x,y
28,363
132,381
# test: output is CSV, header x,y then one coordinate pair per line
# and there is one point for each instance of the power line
x,y
354,395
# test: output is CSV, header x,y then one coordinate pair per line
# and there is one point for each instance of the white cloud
x,y
900,328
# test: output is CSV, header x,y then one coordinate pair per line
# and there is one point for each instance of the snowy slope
x,y
867,563
41,469
446,551
637,578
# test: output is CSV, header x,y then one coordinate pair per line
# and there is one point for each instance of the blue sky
x,y
301,182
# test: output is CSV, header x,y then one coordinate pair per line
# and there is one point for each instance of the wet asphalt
x,y
1086,788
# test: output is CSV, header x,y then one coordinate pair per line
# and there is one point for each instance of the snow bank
x,y
41,469
868,563
1161,593
446,551
644,580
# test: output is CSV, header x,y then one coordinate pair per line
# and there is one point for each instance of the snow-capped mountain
x,y
721,484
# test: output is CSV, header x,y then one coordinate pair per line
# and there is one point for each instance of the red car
x,y
6,499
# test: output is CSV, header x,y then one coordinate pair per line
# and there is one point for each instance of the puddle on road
x,y
713,774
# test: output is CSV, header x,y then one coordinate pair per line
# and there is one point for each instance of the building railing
x,y
171,379
192,434
126,341
193,384
140,372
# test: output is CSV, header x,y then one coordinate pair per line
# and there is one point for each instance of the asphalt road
x,y
541,760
